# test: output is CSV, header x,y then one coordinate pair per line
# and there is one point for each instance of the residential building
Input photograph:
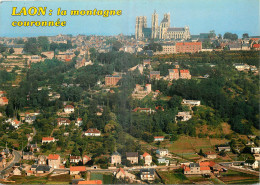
x,y
185,74
86,159
163,161
79,122
15,123
183,116
75,170
42,169
75,159
155,75
146,62
211,155
17,171
147,159
92,132
158,138
116,158
147,174
42,160
63,121
252,163
112,80
255,150
69,109
146,110
122,174
191,102
196,169
224,148
162,152
132,157
188,47
47,140
54,161
28,156
174,74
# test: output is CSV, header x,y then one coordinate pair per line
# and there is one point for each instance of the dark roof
x,y
34,166
131,154
155,72
165,19
43,168
175,29
149,170
194,165
116,153
27,153
204,35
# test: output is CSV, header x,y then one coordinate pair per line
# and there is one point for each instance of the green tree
x,y
11,50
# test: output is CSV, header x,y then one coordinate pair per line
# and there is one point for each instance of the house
x,y
147,159
63,121
68,109
90,182
252,163
33,168
28,156
54,160
255,150
75,170
188,47
79,122
3,101
147,174
29,172
86,159
30,118
47,140
163,161
158,138
112,80
42,160
75,159
197,168
132,157
211,155
257,157
43,169
33,147
224,148
17,171
2,162
15,123
6,153
191,102
174,74
155,75
92,132
185,74
183,116
162,152
146,62
116,158
146,110
122,174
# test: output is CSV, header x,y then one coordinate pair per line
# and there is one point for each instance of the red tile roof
x,y
121,170
53,156
256,46
204,168
186,168
146,154
91,182
78,168
92,130
16,122
69,107
188,43
184,71
47,138
157,137
4,99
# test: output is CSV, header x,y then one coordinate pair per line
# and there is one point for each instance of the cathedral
x,y
162,31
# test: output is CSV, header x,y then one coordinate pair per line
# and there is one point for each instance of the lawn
x,y
171,177
234,177
106,177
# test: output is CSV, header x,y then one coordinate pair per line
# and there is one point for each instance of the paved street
x,y
16,159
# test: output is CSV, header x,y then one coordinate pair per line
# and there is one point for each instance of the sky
x,y
235,16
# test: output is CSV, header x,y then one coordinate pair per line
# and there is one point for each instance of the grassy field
x,y
106,177
171,177
234,177
59,179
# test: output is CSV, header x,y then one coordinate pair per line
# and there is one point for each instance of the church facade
x,y
162,31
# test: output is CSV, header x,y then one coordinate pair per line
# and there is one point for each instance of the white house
x,y
69,109
255,150
191,102
47,140
92,132
158,138
162,152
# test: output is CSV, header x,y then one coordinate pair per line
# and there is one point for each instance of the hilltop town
x,y
161,106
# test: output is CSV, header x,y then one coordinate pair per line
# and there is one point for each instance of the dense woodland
x,y
226,95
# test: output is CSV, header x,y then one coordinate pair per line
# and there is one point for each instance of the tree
x,y
11,50
219,36
116,46
76,52
43,43
230,36
245,35
212,34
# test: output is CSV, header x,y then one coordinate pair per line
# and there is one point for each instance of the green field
x,y
106,178
170,177
234,177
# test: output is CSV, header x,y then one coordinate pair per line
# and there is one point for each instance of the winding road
x,y
16,159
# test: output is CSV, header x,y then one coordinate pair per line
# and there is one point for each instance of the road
x,y
16,159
